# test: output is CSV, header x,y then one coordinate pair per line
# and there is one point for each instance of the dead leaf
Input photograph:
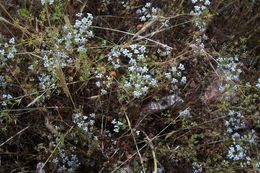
x,y
212,93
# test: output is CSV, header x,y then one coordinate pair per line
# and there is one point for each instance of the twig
x,y
9,139
153,153
128,33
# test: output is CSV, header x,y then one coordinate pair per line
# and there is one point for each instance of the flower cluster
x,y
79,33
186,113
147,12
175,76
50,2
103,82
199,22
199,6
46,81
229,68
234,122
139,78
197,168
198,47
52,59
5,98
3,83
116,54
164,51
126,4
236,151
66,163
138,84
8,50
86,123
251,137
117,125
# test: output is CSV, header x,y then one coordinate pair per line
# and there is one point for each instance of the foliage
x,y
129,86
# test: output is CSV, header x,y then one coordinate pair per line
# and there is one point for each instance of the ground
x,y
129,86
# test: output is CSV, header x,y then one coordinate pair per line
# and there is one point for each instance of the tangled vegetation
x,y
129,86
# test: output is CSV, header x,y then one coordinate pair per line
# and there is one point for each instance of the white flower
x,y
91,122
197,168
132,61
133,46
236,152
43,2
137,85
92,115
98,84
147,12
258,84
207,2
116,130
183,80
12,41
148,4
181,67
142,49
132,68
51,2
2,52
113,121
153,82
82,49
7,96
168,75
143,18
155,10
39,167
179,73
103,91
174,81
79,14
47,1
127,85
229,130
55,160
174,69
197,9
10,55
145,89
139,11
185,113
137,94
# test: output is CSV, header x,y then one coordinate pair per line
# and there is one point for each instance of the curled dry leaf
x,y
162,104
212,93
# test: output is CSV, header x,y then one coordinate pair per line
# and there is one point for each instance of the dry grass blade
x,y
63,84
133,135
35,100
67,21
